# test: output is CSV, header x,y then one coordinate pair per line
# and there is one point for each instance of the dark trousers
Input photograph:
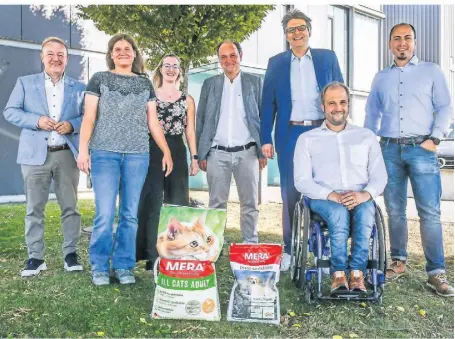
x,y
289,193
157,190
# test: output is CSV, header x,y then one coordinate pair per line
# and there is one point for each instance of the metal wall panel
x,y
76,34
19,62
10,18
20,23
36,27
447,48
425,19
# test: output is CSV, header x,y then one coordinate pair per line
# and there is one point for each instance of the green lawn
x,y
59,304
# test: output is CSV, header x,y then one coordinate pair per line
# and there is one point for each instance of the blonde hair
x,y
54,39
157,79
138,62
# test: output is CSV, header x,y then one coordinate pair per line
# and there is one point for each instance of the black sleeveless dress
x,y
157,188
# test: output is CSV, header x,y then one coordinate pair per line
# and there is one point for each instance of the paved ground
x,y
270,221
273,195
447,207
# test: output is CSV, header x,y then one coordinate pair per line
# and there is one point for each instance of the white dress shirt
x,y
232,129
350,160
54,95
306,103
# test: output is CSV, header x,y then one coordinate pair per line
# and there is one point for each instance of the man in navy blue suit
x,y
292,84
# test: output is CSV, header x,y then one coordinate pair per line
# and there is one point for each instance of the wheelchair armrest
x,y
304,201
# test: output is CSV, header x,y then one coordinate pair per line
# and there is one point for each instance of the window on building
x,y
330,32
338,35
366,33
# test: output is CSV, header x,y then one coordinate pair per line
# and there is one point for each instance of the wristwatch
x,y
195,157
435,140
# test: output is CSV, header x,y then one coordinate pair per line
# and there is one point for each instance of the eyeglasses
x,y
300,28
168,67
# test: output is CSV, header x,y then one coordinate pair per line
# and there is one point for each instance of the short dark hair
x,y
335,84
295,14
402,24
236,44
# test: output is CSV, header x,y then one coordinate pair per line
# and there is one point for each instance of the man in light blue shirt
x,y
304,89
409,106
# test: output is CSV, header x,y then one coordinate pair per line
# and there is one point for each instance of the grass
x,y
59,304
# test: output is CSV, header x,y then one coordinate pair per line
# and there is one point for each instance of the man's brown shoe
x,y
440,285
356,281
339,282
397,269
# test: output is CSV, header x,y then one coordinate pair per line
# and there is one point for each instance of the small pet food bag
x,y
185,289
254,296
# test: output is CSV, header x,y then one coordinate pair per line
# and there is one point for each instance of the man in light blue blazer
x,y
48,108
292,84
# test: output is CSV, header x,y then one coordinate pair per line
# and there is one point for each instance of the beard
x,y
402,56
336,121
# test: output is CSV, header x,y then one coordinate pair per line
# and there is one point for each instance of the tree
x,y
190,31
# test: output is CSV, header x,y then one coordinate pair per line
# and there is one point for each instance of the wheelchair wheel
x,y
382,258
304,250
308,293
296,241
382,250
379,298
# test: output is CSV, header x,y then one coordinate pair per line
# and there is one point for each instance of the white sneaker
x,y
33,267
285,262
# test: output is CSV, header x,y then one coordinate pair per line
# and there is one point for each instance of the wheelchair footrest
x,y
342,294
349,297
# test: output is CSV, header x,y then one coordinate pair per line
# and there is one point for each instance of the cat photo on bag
x,y
190,233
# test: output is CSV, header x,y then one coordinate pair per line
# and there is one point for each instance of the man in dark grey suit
x,y
48,108
227,135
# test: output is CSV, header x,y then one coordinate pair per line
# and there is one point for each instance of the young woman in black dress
x,y
176,111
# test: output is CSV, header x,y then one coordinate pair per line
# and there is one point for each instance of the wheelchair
x,y
310,256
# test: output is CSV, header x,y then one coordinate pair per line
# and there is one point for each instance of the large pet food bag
x,y
254,296
185,289
189,233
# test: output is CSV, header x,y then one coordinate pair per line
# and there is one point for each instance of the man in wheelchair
x,y
339,167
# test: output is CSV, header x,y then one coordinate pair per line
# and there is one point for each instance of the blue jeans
x,y
421,167
339,221
114,173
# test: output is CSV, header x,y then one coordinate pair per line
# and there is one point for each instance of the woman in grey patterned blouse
x,y
118,116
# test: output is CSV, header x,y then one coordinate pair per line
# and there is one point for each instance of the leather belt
x,y
406,141
235,148
307,122
57,148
